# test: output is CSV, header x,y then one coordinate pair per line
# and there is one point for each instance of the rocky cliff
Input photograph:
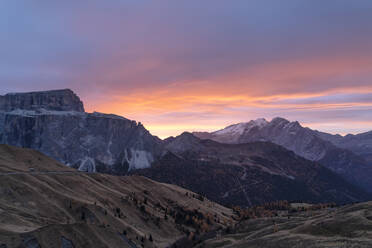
x,y
54,122
57,100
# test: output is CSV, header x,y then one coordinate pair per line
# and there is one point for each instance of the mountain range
x,y
348,156
248,174
44,203
243,164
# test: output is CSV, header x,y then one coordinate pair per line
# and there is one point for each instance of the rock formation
x,y
54,122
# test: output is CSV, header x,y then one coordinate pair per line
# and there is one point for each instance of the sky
x,y
197,65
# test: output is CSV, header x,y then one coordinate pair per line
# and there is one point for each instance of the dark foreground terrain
x,y
46,204
348,226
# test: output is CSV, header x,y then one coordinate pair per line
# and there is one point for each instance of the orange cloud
x,y
213,103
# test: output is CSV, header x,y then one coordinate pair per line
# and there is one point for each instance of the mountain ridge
x,y
247,174
305,142
97,142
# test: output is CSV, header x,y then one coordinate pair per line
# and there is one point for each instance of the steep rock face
x,y
58,100
88,141
247,174
304,142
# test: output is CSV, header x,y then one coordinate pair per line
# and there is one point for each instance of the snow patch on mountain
x,y
240,128
54,122
138,159
88,164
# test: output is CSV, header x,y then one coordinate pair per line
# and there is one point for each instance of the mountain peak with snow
x,y
260,122
242,127
335,152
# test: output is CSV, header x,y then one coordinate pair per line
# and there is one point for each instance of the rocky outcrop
x,y
30,242
66,243
54,122
54,100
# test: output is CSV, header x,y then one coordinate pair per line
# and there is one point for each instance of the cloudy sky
x,y
197,65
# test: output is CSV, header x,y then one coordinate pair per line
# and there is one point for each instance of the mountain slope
x,y
246,174
304,142
348,226
54,122
360,144
48,207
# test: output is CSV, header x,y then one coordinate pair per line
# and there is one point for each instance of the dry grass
x,y
349,226
89,209
22,159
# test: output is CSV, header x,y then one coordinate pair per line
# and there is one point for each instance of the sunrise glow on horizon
x,y
197,65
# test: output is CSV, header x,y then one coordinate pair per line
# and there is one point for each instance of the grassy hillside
x,y
15,159
54,206
348,226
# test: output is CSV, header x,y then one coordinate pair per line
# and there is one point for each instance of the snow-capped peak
x,y
260,122
240,128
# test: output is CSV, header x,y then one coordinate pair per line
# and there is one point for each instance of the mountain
x,y
247,174
232,133
304,142
58,100
348,226
360,144
46,204
54,122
